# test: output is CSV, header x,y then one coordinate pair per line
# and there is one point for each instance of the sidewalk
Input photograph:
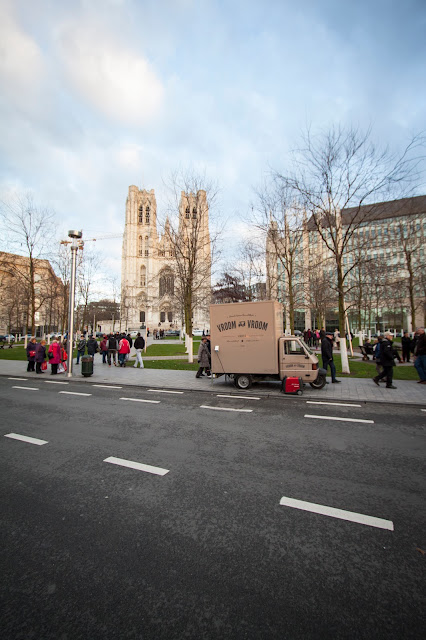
x,y
408,392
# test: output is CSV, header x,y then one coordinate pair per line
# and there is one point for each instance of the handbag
x,y
32,354
44,365
61,368
50,355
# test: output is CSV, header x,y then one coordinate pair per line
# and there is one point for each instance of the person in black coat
x,y
92,346
327,355
387,355
406,346
40,355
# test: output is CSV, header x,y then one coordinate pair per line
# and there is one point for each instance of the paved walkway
x,y
351,389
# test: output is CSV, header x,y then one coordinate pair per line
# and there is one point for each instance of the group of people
x,y
115,349
56,355
311,337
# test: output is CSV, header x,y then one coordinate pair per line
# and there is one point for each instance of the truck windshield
x,y
308,349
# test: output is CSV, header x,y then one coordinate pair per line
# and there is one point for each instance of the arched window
x,y
140,247
187,212
143,276
140,216
194,212
146,247
141,316
147,211
167,284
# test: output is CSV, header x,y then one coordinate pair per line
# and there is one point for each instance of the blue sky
x,y
96,95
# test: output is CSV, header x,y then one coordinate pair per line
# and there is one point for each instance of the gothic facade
x,y
154,264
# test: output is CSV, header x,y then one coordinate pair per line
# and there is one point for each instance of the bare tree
x,y
27,227
89,266
339,169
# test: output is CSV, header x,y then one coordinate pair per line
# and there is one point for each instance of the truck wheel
x,y
319,383
242,381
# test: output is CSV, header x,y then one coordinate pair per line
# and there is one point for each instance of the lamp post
x,y
76,236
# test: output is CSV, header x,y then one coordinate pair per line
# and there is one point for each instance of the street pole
x,y
75,235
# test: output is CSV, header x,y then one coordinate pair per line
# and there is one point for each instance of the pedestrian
x,y
81,349
327,355
420,354
123,350
104,348
92,346
209,347
203,359
139,346
376,354
40,355
31,352
129,340
406,346
336,336
112,345
387,360
322,334
54,355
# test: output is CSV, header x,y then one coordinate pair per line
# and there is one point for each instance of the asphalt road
x,y
202,547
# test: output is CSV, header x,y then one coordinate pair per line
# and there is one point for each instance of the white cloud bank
x,y
116,81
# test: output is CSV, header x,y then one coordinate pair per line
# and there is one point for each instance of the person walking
x,y
209,347
203,359
104,348
139,346
387,355
420,354
54,354
92,346
81,349
327,355
40,355
123,350
406,347
31,352
129,340
112,345
376,354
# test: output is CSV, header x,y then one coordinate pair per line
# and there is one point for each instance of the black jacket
x,y
139,343
387,354
420,348
92,347
326,349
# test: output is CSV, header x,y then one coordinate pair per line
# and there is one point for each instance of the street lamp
x,y
76,236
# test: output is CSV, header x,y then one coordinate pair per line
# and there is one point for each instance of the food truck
x,y
247,343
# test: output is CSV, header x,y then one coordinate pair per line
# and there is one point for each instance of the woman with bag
x,y
54,356
40,357
31,352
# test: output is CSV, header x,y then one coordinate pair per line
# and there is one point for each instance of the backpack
x,y
112,343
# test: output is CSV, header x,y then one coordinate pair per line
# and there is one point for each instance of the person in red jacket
x,y
55,359
123,350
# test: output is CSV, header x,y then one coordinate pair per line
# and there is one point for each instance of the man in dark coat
x,y
139,346
327,355
92,346
406,347
420,353
387,355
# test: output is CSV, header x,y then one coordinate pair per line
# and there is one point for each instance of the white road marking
x,y
218,395
141,400
22,379
351,516
26,388
333,404
204,406
16,436
75,393
137,465
55,382
423,409
307,415
164,391
106,386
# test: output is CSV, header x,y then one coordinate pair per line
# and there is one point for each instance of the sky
x,y
96,95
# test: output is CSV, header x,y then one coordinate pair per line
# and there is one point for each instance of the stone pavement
x,y
351,389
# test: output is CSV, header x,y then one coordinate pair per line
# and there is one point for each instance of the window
x,y
146,247
291,347
194,212
167,283
146,253
147,211
162,316
140,217
143,276
187,212
161,253
140,247
170,316
141,316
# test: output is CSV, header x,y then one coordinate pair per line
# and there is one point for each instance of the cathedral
x,y
155,265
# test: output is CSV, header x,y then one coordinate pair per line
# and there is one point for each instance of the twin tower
x,y
155,265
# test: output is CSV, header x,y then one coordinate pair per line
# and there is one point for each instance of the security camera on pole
x,y
76,237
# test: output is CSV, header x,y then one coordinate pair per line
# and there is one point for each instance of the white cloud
x,y
117,81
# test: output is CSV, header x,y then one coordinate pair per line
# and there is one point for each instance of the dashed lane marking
x,y
106,386
340,514
307,415
17,436
204,406
26,388
141,400
219,395
137,465
164,391
75,393
22,379
55,382
333,404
